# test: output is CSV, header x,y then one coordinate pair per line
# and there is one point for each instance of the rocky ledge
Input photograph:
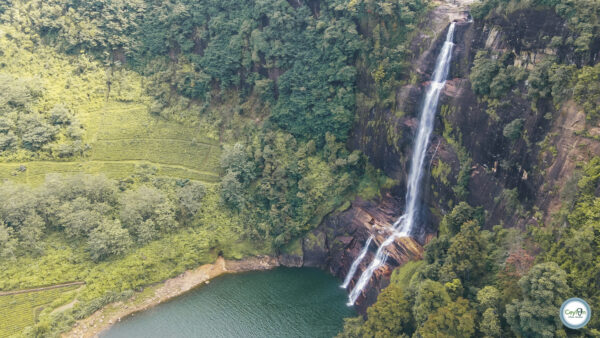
x,y
339,239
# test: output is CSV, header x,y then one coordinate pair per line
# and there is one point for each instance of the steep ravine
x,y
466,124
336,243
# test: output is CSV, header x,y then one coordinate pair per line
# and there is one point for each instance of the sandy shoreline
x,y
104,318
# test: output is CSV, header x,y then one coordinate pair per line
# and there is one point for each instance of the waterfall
x,y
356,262
404,225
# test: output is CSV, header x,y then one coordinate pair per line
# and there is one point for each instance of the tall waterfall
x,y
404,225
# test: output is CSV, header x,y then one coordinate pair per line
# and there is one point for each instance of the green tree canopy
x,y
391,316
460,214
544,289
456,319
109,238
146,212
467,255
429,297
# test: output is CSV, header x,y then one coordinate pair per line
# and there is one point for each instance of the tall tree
x,y
430,296
456,319
108,239
544,289
391,316
467,255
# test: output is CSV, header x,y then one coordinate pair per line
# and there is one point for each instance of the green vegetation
x,y
513,129
544,289
441,172
453,138
456,319
26,132
587,90
503,281
83,207
116,241
80,128
21,310
461,213
296,183
493,77
575,248
390,317
552,77
142,138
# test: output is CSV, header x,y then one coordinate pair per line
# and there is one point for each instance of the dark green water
x,y
283,302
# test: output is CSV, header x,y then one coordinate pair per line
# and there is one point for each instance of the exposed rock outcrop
x,y
338,241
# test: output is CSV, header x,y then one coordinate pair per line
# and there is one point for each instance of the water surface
x,y
283,302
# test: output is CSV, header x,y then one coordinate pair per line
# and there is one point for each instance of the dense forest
x,y
142,138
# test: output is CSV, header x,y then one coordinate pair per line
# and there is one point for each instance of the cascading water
x,y
356,262
404,225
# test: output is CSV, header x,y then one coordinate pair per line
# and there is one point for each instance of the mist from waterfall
x,y
403,226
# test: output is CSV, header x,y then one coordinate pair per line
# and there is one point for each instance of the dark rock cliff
x,y
529,166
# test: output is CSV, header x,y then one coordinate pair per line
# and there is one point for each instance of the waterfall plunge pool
x,y
283,302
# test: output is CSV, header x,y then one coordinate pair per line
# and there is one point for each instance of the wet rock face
x,y
315,249
497,162
292,261
385,136
339,240
527,29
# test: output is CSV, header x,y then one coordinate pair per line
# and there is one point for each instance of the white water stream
x,y
356,262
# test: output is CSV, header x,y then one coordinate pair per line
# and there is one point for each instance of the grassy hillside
x,y
21,310
119,132
122,136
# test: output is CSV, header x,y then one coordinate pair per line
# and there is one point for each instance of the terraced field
x,y
20,310
123,136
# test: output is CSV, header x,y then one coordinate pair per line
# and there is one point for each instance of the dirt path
x,y
112,313
132,161
16,292
66,306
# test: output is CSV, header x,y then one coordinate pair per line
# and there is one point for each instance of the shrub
x,y
513,130
587,90
483,72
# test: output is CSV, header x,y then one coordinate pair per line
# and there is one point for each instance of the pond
x,y
283,302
